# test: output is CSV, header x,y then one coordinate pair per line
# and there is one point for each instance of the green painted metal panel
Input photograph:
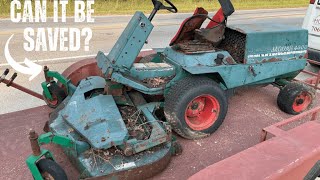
x,y
197,59
243,74
134,83
95,118
95,166
151,70
271,42
118,163
131,41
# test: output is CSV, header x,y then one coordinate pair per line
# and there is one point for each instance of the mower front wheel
x,y
58,95
195,107
50,170
295,98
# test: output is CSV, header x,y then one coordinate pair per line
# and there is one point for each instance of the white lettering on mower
x,y
276,54
125,166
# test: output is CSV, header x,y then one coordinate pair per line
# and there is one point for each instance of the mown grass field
x,y
107,7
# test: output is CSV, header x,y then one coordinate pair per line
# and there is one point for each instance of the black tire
x,y
295,98
58,95
185,92
51,170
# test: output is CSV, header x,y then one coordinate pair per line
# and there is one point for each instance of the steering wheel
x,y
172,9
158,5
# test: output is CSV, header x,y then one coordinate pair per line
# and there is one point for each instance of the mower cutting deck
x,y
101,141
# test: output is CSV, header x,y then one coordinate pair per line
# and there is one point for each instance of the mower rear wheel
x,y
195,107
295,98
57,94
50,170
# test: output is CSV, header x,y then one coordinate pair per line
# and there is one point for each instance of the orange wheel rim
x,y
302,102
202,112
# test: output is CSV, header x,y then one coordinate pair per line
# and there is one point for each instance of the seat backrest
x,y
186,30
226,10
217,18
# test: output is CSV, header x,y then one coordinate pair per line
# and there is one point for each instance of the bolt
x,y
142,25
300,101
33,137
128,151
194,106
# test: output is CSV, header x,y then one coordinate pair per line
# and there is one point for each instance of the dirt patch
x,y
157,81
136,123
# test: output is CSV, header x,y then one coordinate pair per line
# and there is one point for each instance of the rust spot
x,y
274,60
157,81
186,30
33,137
269,60
112,143
230,60
193,46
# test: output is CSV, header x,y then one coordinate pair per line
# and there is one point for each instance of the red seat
x,y
187,27
186,30
218,17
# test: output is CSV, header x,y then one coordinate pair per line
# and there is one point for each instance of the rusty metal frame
x,y
10,83
313,81
276,130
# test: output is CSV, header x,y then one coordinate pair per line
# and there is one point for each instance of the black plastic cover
x,y
227,7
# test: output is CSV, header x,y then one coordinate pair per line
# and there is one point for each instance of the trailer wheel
x,y
295,98
195,107
58,95
50,170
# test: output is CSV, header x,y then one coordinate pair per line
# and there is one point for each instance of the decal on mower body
x,y
280,51
276,54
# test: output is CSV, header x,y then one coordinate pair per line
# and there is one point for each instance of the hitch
x,y
10,83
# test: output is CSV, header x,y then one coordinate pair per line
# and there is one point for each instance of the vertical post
x,y
33,137
45,70
314,116
263,136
